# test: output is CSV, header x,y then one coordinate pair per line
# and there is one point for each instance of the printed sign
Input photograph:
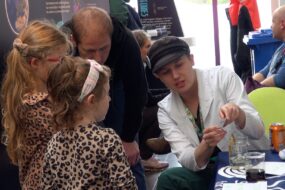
x,y
156,14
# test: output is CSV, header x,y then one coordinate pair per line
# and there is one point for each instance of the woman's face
x,y
145,49
102,105
178,75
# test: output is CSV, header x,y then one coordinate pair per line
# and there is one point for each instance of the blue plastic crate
x,y
262,47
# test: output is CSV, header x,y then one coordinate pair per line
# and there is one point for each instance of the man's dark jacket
x,y
128,89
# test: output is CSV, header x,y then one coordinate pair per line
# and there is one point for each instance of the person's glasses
x,y
54,58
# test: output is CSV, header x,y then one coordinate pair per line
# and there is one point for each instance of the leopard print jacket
x,y
87,157
35,118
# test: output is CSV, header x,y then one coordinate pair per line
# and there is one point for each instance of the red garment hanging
x,y
252,7
233,12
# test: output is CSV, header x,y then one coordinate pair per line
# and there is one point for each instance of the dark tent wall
x,y
14,15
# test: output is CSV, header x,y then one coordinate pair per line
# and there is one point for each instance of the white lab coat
x,y
216,87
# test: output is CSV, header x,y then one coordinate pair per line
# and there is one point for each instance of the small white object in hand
x,y
282,154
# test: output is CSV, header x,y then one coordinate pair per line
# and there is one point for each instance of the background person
x,y
91,156
204,108
273,74
27,115
126,14
119,10
149,128
106,40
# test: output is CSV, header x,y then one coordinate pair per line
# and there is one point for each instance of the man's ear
x,y
72,39
281,24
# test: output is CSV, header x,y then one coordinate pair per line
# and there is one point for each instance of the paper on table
x,y
260,185
275,168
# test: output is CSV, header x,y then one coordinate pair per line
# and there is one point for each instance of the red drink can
x,y
277,136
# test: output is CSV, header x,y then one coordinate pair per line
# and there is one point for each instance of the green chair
x,y
270,104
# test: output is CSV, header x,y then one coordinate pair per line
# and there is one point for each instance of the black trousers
x,y
9,174
149,129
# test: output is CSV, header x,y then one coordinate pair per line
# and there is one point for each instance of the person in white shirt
x,y
204,108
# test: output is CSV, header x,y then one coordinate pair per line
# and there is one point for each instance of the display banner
x,y
15,14
160,14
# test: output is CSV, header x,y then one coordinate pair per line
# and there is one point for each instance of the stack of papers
x,y
275,168
261,185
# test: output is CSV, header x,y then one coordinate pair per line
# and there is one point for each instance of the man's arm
x,y
278,78
258,77
261,75
269,81
135,88
135,91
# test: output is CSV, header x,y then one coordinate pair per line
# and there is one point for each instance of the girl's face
x,y
102,105
145,49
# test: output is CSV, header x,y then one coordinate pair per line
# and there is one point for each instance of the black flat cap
x,y
166,50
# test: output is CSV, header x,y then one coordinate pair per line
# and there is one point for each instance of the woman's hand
x,y
230,112
213,135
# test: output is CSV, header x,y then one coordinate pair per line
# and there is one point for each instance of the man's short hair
x,y
87,15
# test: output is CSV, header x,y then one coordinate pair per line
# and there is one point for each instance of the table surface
x,y
225,174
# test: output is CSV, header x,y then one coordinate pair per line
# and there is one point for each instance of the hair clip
x,y
91,80
95,64
21,47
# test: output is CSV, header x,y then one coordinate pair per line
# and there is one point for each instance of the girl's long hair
x,y
34,41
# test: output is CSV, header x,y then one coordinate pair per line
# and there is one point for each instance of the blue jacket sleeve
x,y
265,70
279,77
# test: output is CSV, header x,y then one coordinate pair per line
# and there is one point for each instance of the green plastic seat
x,y
270,104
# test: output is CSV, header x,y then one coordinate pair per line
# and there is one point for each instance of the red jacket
x,y
252,7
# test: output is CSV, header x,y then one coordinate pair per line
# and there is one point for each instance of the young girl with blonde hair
x,y
26,107
83,155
